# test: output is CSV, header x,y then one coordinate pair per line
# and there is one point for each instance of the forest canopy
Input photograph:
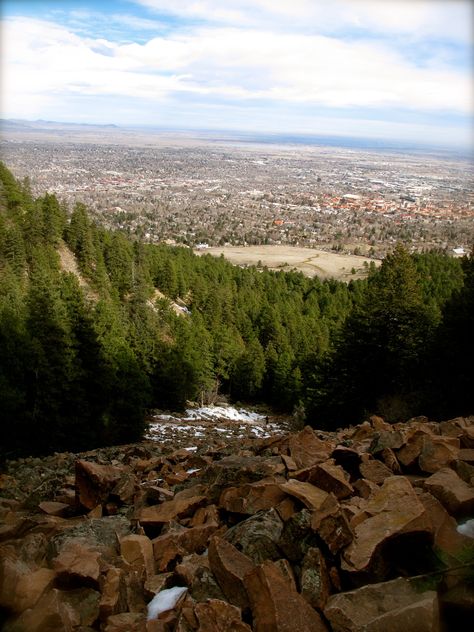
x,y
96,328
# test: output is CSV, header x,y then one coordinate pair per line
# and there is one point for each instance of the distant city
x,y
211,189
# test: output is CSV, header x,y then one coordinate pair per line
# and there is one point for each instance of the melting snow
x,y
223,412
467,528
165,600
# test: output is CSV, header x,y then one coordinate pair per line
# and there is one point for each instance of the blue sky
x,y
394,69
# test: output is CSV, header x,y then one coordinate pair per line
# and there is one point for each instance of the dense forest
x,y
97,328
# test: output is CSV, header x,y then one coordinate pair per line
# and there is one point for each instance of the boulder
x,y
393,510
77,561
437,452
333,528
454,494
218,616
385,607
375,471
126,622
179,507
230,567
307,449
314,581
327,476
53,508
276,606
310,495
95,482
137,550
392,439
194,571
113,593
248,499
20,586
257,536
180,541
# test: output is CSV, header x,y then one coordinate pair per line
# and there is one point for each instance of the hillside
x,y
97,328
347,531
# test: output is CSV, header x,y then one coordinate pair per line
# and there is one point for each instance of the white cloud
x,y
45,63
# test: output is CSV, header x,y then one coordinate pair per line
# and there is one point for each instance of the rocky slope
x,y
347,531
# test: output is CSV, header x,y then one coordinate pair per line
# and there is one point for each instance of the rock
x,y
137,550
276,606
257,536
195,572
379,424
180,542
386,439
315,583
170,510
454,494
329,477
218,616
113,594
77,561
365,487
409,453
375,471
95,482
126,622
349,459
386,607
297,536
230,567
253,497
333,528
307,449
21,587
437,452
54,508
390,460
312,497
393,510
155,583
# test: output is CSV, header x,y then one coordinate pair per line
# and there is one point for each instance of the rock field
x,y
268,530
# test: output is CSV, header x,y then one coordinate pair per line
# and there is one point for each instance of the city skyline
x,y
395,70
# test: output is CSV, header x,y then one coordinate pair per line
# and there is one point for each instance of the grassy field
x,y
307,260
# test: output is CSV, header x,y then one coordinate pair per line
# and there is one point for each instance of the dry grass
x,y
307,260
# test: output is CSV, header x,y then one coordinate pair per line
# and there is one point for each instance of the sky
x,y
387,69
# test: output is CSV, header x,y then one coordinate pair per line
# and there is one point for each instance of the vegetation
x,y
144,326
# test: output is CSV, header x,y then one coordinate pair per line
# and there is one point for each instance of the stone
x,y
365,487
409,453
329,477
314,581
253,497
95,482
276,606
393,510
297,536
257,536
113,594
126,622
218,616
155,583
378,423
137,550
54,508
393,439
180,542
307,449
229,567
349,459
454,494
157,515
21,587
390,460
375,471
385,607
77,560
310,495
333,528
195,572
437,452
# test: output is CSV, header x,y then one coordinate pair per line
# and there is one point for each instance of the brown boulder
x,y
393,510
315,582
95,482
180,542
113,594
375,471
454,494
329,477
218,616
386,607
306,448
333,528
77,560
137,550
230,567
310,495
126,622
21,587
253,497
276,606
170,510
437,452
54,508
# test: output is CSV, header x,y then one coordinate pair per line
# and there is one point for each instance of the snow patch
x,y
467,528
223,412
165,600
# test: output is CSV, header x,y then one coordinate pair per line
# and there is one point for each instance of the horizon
x,y
398,72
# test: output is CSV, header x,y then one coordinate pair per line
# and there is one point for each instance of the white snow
x,y
193,470
467,528
223,412
193,448
165,600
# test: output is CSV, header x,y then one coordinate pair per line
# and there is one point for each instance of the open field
x,y
307,260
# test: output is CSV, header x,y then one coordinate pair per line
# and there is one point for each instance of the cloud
x,y
42,57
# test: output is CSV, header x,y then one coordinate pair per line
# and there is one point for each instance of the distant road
x,y
311,262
